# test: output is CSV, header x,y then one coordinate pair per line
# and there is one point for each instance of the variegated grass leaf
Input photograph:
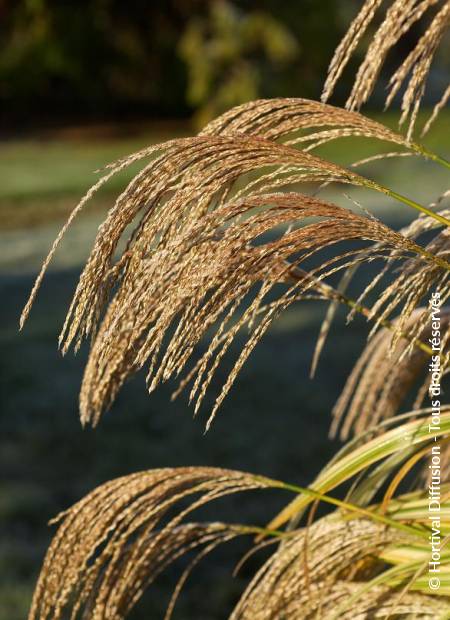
x,y
354,460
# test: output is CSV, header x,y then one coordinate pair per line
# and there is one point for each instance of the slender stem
x,y
350,507
260,531
422,150
410,203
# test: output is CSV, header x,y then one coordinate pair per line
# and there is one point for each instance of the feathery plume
x,y
188,171
112,545
200,280
194,249
313,580
177,253
192,176
422,224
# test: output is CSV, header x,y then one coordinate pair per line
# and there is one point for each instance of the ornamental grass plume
x,y
217,237
116,541
319,579
195,234
203,279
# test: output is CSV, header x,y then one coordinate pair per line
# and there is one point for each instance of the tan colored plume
x,y
168,301
194,232
314,572
112,545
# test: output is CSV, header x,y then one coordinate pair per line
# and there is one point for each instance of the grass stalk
x,y
409,202
422,150
376,516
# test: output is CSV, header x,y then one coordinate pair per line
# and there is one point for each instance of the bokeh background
x,y
82,83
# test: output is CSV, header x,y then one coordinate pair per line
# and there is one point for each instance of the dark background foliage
x,y
112,59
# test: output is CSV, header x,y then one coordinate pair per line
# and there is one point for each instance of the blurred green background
x,y
80,85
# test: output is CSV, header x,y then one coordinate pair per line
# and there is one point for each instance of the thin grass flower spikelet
x,y
407,287
301,122
400,17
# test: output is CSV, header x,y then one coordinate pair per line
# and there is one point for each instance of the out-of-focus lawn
x,y
41,178
274,422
